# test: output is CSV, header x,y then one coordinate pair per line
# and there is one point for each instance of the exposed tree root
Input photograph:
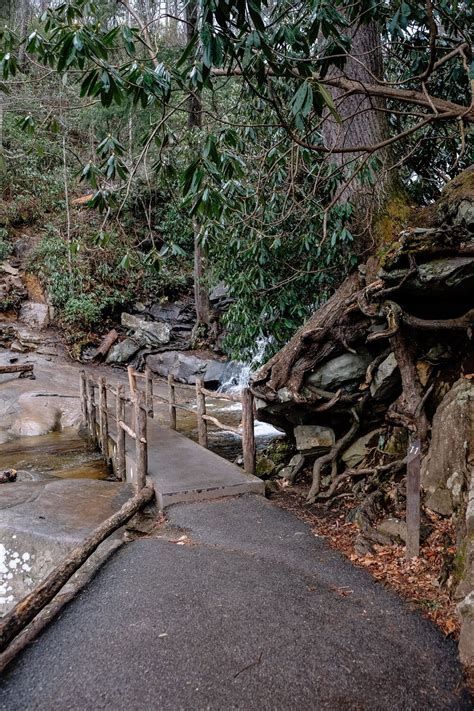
x,y
331,457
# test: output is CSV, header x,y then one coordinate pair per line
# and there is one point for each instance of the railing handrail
x,y
142,402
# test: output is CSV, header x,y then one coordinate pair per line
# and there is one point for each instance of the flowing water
x,y
64,455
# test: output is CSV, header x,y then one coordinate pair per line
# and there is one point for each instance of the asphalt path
x,y
249,611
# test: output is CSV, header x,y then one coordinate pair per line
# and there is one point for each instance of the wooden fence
x,y
245,430
95,413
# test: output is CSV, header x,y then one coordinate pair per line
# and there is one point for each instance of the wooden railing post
x,y
248,432
83,390
103,418
141,441
200,411
413,499
172,401
149,391
91,409
132,381
120,462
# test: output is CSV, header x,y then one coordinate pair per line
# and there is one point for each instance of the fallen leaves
x,y
424,581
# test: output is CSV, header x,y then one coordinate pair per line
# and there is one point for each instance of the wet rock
x,y
345,372
42,521
35,315
313,437
123,351
386,383
152,331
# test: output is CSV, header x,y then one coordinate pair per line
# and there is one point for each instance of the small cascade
x,y
241,373
240,378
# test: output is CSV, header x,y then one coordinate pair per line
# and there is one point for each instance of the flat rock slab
x,y
40,522
255,613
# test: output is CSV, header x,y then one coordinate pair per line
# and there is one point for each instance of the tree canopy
x,y
306,111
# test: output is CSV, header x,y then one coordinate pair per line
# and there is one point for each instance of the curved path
x,y
250,611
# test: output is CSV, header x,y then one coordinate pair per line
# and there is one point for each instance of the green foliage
x,y
257,179
5,245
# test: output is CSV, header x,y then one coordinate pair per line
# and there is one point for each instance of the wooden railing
x,y
96,415
200,392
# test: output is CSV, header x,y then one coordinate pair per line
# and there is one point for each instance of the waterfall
x,y
239,374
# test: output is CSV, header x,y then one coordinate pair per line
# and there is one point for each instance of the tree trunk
x,y
363,122
201,293
5,17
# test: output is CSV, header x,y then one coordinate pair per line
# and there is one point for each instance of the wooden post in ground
x,y
91,408
132,381
200,411
149,391
172,401
103,419
120,462
413,499
248,434
83,390
141,441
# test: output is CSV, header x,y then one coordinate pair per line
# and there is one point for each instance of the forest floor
x,y
424,582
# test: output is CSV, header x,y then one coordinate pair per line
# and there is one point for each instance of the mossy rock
x,y
456,204
265,467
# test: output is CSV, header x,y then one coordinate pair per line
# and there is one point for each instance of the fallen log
x,y
25,610
16,368
52,610
105,345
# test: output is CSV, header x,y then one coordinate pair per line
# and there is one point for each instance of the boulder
x,y
123,351
167,312
220,298
394,528
434,280
30,340
292,468
313,437
186,368
345,371
153,332
35,315
358,451
446,467
386,383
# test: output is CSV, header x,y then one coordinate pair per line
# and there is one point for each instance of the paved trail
x,y
247,615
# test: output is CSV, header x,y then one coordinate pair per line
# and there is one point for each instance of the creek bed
x,y
65,455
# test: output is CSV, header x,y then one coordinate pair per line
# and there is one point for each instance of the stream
x,y
61,494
